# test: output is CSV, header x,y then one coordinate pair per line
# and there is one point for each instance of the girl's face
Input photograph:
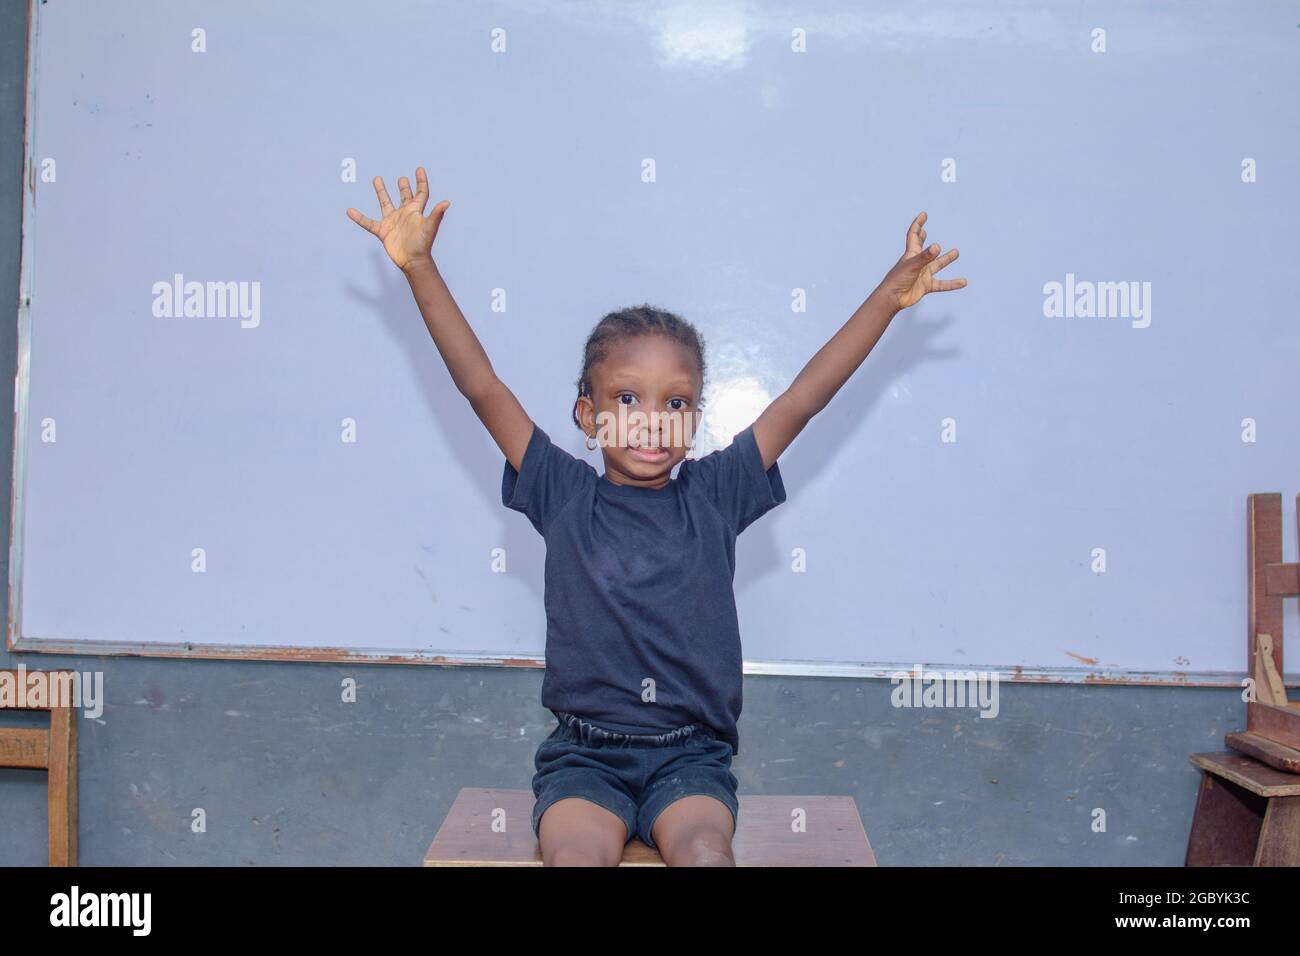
x,y
644,409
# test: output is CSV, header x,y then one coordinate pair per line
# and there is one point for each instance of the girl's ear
x,y
585,412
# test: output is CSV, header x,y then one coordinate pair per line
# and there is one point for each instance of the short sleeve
x,y
546,481
734,480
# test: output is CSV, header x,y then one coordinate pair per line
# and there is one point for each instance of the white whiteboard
x,y
791,147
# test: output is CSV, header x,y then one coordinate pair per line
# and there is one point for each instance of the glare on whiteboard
x,y
731,406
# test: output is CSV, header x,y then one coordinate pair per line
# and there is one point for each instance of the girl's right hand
x,y
406,232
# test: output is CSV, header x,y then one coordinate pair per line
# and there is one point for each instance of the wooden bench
x,y
53,749
488,827
1247,813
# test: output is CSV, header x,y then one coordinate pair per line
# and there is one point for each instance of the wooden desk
x,y
764,837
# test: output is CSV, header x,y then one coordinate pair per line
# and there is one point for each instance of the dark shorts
x,y
634,776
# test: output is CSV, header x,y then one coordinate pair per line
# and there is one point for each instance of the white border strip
x,y
22,375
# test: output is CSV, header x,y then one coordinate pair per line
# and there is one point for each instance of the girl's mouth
x,y
653,455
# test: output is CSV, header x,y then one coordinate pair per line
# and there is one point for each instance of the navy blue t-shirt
x,y
641,628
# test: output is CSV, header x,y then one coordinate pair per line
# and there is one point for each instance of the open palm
x,y
406,232
913,276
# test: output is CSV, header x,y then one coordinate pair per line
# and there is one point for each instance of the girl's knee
x,y
702,845
578,832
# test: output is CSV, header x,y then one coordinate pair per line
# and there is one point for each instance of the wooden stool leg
x,y
63,797
1226,824
1279,838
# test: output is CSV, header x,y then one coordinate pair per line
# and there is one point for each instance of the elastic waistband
x,y
594,735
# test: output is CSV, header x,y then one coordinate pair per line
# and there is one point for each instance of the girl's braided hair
x,y
629,323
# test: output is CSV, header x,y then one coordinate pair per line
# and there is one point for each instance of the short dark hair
x,y
629,323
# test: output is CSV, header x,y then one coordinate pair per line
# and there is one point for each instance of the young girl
x,y
643,662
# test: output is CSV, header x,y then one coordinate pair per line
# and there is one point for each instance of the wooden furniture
x,y
1272,734
1248,805
53,749
1247,813
764,836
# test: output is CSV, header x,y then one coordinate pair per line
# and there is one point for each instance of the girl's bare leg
x,y
577,832
695,831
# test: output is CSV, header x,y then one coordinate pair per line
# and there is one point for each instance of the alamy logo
x,y
922,688
1107,300
48,689
102,909
216,300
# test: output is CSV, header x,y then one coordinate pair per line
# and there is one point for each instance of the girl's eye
x,y
627,395
679,407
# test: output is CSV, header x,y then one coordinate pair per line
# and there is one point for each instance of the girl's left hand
x,y
913,276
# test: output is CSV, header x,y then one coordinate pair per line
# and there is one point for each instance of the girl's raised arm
x,y
911,278
407,235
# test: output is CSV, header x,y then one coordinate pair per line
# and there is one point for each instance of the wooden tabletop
x,y
487,827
